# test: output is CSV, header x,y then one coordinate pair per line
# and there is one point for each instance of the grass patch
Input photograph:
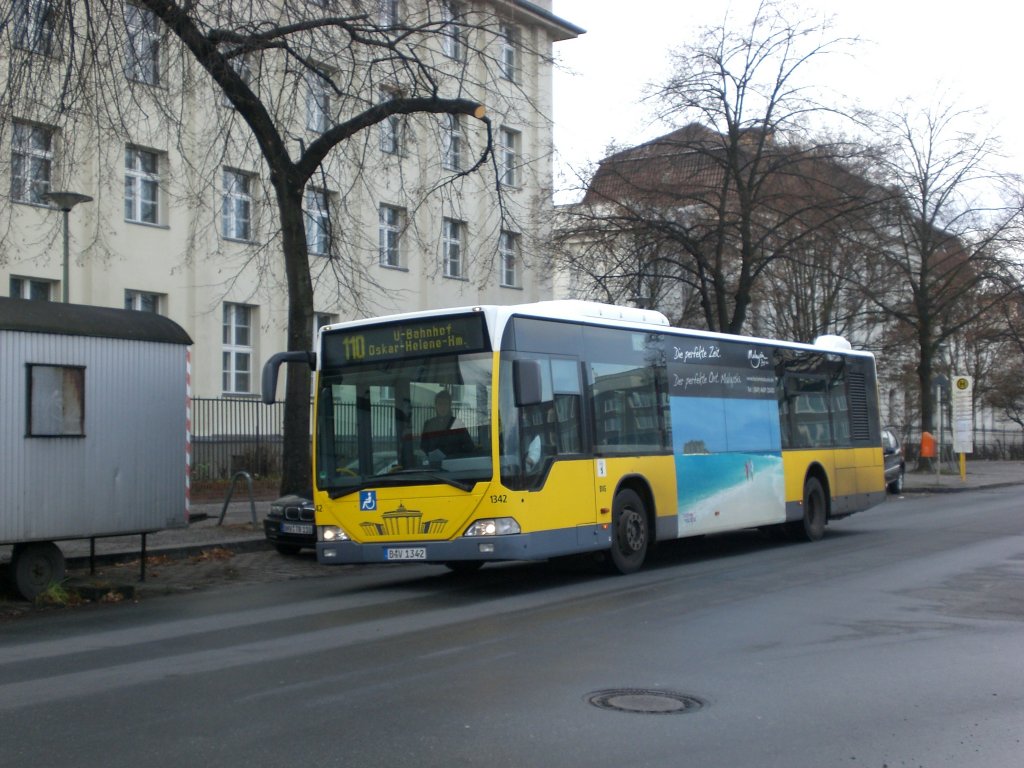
x,y
58,595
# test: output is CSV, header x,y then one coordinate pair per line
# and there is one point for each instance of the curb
x,y
959,488
239,546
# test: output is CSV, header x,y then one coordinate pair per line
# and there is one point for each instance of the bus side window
x,y
566,417
627,405
565,410
808,411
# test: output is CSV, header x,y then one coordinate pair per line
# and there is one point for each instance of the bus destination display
x,y
450,335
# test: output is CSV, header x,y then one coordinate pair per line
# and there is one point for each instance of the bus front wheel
x,y
812,526
631,532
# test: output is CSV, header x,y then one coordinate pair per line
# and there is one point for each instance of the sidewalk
x,y
240,531
980,474
209,551
237,533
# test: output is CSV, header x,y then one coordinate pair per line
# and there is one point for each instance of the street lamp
x,y
65,201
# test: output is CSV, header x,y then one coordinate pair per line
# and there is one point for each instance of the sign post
x,y
963,420
941,384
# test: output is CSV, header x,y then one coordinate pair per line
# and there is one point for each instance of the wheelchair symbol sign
x,y
367,501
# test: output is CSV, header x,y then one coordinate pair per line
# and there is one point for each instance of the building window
x,y
318,103
452,246
236,209
31,162
389,13
141,186
142,58
320,320
34,25
242,67
56,401
508,250
32,289
508,60
238,349
454,41
391,221
391,128
451,142
508,157
140,301
318,222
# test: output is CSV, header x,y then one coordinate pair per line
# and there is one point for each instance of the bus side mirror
x,y
527,382
268,382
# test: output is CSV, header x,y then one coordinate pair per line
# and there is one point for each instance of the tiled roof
x,y
661,171
686,166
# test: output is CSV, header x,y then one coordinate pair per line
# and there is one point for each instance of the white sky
x,y
967,51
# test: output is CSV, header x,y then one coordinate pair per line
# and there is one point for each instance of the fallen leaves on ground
x,y
212,555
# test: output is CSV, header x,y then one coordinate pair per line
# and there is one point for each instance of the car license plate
x,y
406,553
305,529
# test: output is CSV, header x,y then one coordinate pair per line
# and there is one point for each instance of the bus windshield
x,y
407,420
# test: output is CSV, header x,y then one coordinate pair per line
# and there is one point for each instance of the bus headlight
x,y
330,533
493,526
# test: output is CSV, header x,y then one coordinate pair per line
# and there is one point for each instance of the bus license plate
x,y
299,528
407,553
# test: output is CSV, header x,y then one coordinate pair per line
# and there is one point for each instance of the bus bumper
x,y
524,546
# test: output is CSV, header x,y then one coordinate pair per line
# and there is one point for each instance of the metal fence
x,y
243,434
990,443
235,434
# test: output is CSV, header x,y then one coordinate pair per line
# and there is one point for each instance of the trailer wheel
x,y
36,566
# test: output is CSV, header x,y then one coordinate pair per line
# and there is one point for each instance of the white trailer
x,y
93,430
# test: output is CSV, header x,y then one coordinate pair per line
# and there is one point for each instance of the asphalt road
x,y
896,641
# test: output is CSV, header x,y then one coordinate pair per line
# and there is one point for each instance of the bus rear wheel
x,y
812,526
631,532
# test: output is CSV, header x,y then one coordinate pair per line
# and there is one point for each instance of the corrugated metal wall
x,y
127,474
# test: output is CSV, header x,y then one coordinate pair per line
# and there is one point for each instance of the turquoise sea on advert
x,y
728,490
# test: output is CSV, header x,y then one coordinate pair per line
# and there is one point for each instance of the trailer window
x,y
56,401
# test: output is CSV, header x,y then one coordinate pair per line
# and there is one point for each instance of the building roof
x,y
659,170
80,320
558,28
688,166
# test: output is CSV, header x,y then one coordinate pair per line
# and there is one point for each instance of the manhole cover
x,y
645,701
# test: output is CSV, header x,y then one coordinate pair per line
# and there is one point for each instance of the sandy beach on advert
x,y
759,500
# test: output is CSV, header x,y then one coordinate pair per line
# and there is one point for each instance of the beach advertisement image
x,y
725,434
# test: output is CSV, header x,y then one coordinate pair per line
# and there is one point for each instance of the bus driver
x,y
444,433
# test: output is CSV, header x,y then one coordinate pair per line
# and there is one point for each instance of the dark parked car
x,y
895,465
290,525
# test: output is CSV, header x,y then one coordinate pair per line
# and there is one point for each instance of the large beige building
x,y
183,218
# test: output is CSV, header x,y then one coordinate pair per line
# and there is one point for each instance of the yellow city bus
x,y
526,432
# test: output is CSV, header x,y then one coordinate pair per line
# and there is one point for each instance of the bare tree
x,y
242,82
621,261
996,358
741,185
950,233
